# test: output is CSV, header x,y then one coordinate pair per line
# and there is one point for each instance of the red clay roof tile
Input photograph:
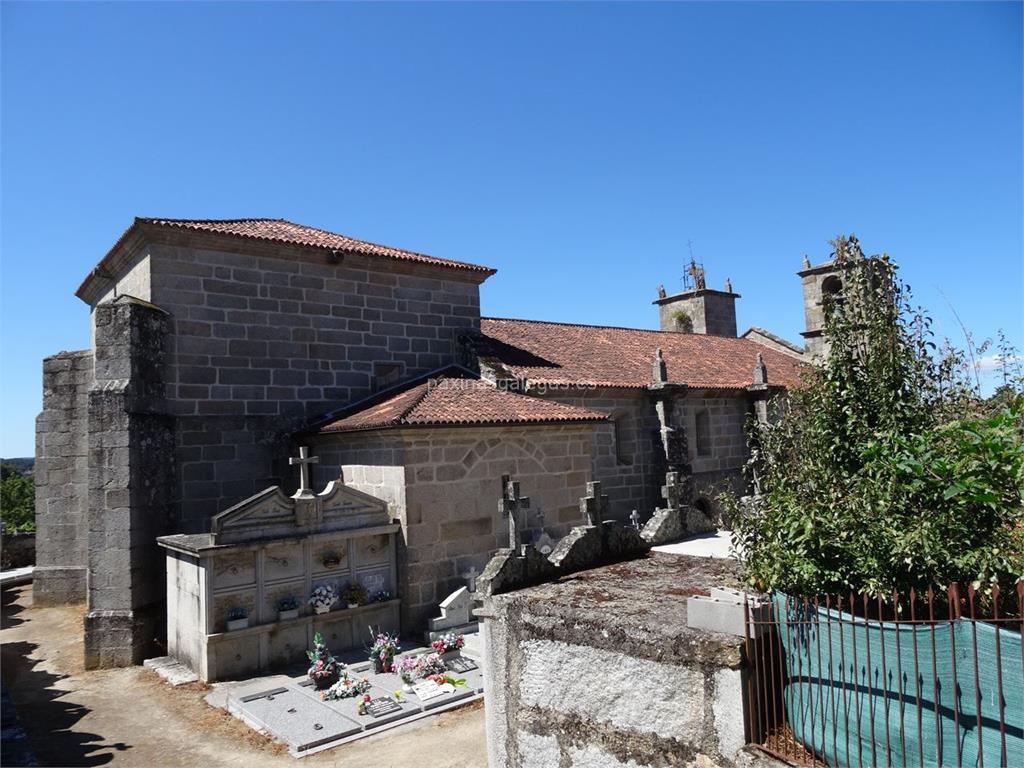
x,y
452,401
565,354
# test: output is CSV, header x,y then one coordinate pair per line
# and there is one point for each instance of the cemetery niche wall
x,y
274,571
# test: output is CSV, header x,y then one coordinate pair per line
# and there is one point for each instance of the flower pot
x,y
325,681
234,624
321,608
353,605
451,654
292,613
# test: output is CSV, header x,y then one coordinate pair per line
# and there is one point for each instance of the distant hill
x,y
25,465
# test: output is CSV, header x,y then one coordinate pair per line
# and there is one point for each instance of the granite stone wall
x,y
61,478
710,312
601,671
265,339
448,507
131,459
627,454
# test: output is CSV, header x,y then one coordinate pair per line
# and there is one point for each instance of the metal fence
x,y
932,679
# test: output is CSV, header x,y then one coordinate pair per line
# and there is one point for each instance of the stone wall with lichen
x,y
602,670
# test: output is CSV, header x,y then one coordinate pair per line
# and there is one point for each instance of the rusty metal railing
x,y
932,679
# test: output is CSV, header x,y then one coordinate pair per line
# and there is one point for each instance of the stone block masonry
x,y
61,478
601,670
263,340
130,462
442,485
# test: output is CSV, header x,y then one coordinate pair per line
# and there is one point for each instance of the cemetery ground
x,y
131,717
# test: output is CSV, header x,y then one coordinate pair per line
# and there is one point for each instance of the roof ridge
x,y
158,219
369,242
609,327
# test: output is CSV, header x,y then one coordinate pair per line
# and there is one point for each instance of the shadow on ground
x,y
47,713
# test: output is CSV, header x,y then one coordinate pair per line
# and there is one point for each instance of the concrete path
x,y
131,717
705,545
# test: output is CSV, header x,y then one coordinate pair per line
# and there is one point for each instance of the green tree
x,y
17,499
885,469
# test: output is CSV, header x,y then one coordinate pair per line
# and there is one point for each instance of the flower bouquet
x,y
408,668
455,682
431,664
354,594
324,666
448,645
323,597
382,597
346,688
383,650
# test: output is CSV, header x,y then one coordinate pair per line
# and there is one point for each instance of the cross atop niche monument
x,y
673,490
303,460
510,505
595,504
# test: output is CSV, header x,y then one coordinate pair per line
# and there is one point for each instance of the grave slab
x,y
348,708
299,721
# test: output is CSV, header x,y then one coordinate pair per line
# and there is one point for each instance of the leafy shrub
x,y
885,470
17,500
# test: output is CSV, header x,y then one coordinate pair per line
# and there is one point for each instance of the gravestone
x,y
455,615
299,721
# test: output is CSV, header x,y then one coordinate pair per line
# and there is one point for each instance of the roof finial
x,y
760,371
661,292
659,371
807,262
728,285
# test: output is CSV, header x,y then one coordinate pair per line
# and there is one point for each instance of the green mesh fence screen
x,y
857,694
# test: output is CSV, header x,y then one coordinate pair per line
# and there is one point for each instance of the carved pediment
x,y
272,514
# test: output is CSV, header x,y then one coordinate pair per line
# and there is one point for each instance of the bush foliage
x,y
17,499
886,470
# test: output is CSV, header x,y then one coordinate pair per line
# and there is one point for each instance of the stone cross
x,y
595,504
672,491
304,460
760,370
510,505
634,518
659,371
470,577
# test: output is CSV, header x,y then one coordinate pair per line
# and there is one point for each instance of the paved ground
x,y
130,717
715,544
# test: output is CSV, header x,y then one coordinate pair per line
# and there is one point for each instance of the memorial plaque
x,y
382,706
460,664
427,689
350,708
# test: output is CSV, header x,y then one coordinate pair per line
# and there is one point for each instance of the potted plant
x,y
238,618
383,650
448,646
382,596
324,667
323,597
354,594
431,664
287,608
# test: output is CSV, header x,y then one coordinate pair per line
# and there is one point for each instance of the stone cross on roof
x,y
595,504
510,504
672,491
659,371
760,370
304,460
470,577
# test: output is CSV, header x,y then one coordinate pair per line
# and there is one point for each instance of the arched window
x,y
831,288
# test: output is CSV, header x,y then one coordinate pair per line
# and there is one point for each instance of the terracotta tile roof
x,y
565,354
282,231
454,401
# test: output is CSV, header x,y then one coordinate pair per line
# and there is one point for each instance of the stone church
x,y
220,347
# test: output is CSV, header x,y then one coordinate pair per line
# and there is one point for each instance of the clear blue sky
x,y
577,148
